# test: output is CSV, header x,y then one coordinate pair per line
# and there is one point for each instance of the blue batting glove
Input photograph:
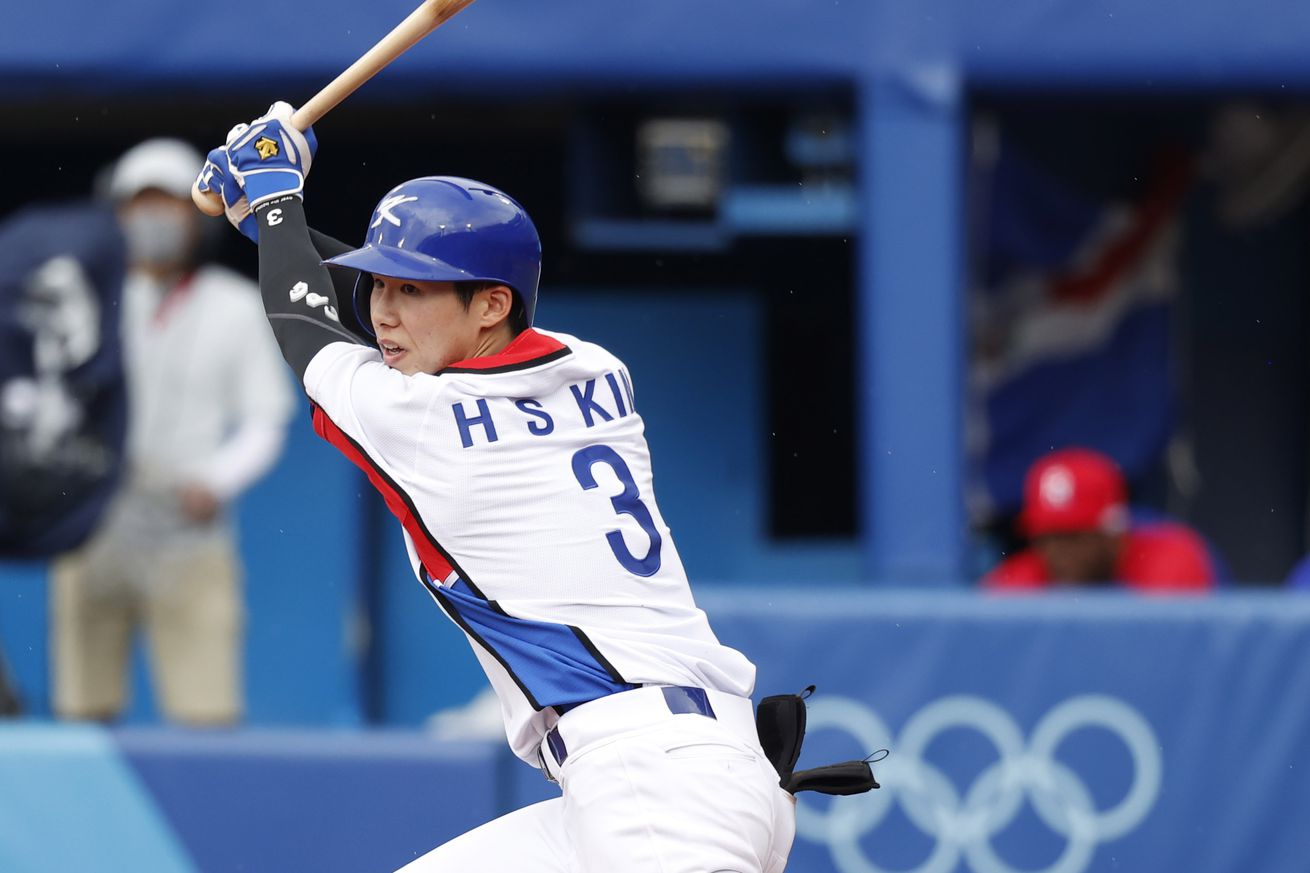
x,y
215,177
269,158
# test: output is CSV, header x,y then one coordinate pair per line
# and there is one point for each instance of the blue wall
x,y
1084,734
1080,732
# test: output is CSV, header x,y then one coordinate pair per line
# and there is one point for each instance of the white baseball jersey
x,y
523,483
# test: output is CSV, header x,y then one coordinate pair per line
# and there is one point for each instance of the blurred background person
x,y
1076,516
208,410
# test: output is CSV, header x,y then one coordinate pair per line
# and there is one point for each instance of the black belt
x,y
679,699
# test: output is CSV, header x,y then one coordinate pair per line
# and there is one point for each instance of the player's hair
x,y
518,319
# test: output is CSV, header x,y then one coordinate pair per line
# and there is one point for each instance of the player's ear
x,y
497,301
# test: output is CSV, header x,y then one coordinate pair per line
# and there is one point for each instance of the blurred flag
x,y
62,396
1070,322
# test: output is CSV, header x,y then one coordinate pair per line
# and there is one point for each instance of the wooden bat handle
x,y
429,15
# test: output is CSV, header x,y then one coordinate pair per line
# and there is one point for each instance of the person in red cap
x,y
1075,513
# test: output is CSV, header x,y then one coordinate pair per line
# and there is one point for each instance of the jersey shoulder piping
x,y
529,349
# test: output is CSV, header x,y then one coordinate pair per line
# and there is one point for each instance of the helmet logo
x,y
384,212
266,147
1057,487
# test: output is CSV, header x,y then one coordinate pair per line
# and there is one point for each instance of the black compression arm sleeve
x,y
327,246
299,297
344,283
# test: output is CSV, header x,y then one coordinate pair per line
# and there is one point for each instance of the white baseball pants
x,y
645,791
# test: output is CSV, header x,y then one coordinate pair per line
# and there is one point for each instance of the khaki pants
x,y
185,595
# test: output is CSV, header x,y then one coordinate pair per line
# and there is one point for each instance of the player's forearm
x,y
299,296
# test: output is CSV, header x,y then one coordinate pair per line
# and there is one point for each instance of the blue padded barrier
x,y
1095,731
168,801
1059,733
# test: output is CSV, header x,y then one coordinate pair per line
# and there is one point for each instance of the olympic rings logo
x,y
963,825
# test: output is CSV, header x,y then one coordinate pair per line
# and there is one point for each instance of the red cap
x,y
1074,490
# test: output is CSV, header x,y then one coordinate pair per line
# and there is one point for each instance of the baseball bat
x,y
429,15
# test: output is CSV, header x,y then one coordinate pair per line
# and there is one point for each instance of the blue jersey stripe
x,y
551,662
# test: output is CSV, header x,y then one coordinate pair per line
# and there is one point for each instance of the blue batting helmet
x,y
448,229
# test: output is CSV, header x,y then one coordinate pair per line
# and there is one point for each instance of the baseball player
x,y
1076,513
514,459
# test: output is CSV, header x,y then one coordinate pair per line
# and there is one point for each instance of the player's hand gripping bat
x,y
429,15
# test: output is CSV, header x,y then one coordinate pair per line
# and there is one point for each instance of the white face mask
x,y
157,237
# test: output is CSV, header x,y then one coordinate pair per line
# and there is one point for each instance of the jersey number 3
x,y
628,502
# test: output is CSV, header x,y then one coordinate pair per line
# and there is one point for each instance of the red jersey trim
x,y
528,349
436,562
